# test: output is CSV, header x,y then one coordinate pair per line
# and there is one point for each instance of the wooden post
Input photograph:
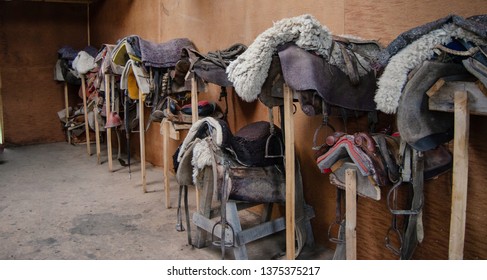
x,y
142,140
290,172
97,134
194,99
108,103
66,105
165,158
351,213
66,101
460,176
85,110
194,115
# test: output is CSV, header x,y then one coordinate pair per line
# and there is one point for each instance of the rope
x,y
223,58
468,52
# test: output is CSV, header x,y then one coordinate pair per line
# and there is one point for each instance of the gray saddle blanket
x,y
159,55
475,24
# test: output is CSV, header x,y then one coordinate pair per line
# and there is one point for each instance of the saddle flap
x,y
257,184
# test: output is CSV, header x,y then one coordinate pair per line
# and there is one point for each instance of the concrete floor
x,y
57,203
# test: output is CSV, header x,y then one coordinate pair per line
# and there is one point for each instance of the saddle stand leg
x,y
179,224
186,211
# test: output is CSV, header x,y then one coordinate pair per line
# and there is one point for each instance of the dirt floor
x,y
57,203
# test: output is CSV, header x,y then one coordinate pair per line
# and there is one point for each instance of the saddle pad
x,y
345,147
83,63
304,70
58,72
135,77
123,52
159,55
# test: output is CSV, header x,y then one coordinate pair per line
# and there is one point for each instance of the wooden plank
x,y
194,115
243,236
85,110
194,99
443,99
351,213
261,230
142,140
165,160
482,87
290,170
204,208
66,106
460,176
97,135
434,89
173,133
108,102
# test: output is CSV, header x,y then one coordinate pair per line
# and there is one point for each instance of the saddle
x,y
373,156
210,67
305,71
429,42
420,127
252,160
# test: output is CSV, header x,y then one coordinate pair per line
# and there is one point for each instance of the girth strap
x,y
412,173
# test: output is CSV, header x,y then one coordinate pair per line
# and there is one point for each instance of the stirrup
x,y
337,239
401,211
267,155
396,251
324,123
272,134
222,238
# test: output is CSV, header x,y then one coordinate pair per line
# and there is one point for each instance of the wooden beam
x,y
142,140
290,172
165,159
351,213
443,99
436,86
108,102
460,176
194,99
85,110
97,134
194,115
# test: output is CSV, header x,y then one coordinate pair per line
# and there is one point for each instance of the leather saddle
x,y
210,67
372,155
306,71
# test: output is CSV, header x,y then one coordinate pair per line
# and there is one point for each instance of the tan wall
x,y
30,35
215,25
